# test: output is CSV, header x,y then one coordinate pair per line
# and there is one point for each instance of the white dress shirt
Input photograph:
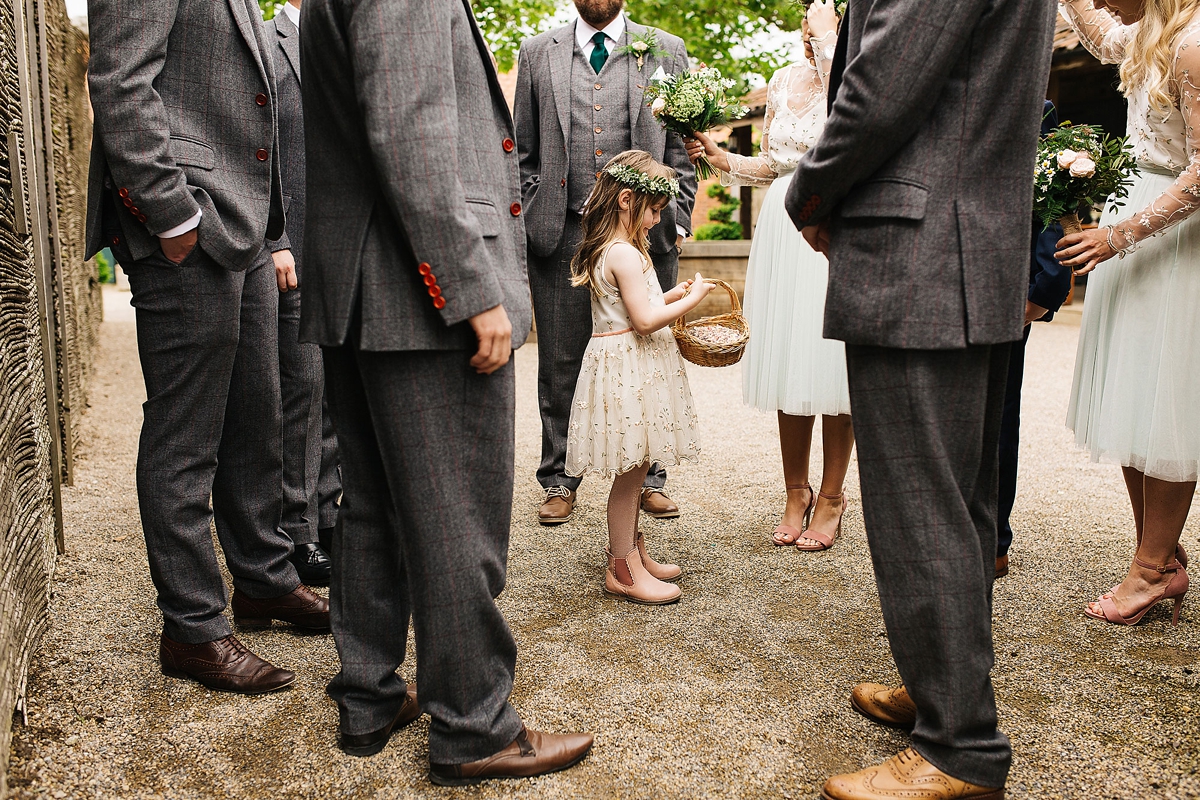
x,y
293,13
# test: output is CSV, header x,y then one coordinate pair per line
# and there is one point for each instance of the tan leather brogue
x,y
301,607
531,753
885,705
558,507
907,776
655,503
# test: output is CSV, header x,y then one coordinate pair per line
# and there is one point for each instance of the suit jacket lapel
x,y
241,16
489,66
637,78
561,55
289,41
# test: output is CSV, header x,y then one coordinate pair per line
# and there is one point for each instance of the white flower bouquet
x,y
1077,165
694,102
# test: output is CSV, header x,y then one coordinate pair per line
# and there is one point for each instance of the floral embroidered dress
x,y
632,400
788,365
1135,399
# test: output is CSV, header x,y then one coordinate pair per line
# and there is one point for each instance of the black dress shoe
x,y
368,744
312,564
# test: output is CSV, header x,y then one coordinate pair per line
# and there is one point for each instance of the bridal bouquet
x,y
694,102
1079,164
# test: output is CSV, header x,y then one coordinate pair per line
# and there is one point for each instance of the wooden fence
x,y
49,317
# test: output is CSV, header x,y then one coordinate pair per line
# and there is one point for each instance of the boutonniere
x,y
642,46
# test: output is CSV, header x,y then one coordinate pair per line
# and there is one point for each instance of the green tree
x,y
507,23
722,225
269,7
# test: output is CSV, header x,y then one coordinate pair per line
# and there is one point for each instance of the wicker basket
x,y
713,355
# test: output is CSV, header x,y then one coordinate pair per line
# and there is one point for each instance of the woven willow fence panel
x,y
44,59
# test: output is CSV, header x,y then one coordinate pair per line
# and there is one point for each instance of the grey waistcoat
x,y
599,121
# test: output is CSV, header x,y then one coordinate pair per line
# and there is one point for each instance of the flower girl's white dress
x,y
632,400
789,366
1136,394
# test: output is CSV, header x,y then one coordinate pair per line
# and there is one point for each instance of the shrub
x,y
721,225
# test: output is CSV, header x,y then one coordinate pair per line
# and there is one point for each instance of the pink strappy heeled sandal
x,y
824,541
1175,590
787,530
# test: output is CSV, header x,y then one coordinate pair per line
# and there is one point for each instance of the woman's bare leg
x,y
837,441
795,443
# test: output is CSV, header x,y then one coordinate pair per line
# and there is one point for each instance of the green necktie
x,y
599,53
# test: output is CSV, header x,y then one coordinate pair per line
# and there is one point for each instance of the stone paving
x,y
739,691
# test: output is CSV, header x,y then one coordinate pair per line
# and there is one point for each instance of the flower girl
x,y
632,402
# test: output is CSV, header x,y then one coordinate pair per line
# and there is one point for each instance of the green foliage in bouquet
x,y
721,225
1078,165
694,102
839,6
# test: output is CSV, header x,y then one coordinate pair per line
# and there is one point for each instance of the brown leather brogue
x,y
301,607
531,753
368,744
558,507
656,504
225,665
1001,566
907,776
885,705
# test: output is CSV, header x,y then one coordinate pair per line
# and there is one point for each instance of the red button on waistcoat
x,y
439,303
424,268
260,98
515,209
435,291
509,145
564,181
123,192
262,154
430,280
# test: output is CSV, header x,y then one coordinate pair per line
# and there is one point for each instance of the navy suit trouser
x,y
1010,443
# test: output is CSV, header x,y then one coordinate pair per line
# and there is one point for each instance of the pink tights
x,y
624,504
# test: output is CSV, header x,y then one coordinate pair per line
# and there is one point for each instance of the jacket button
x,y
123,192
262,154
429,280
125,201
134,210
424,268
509,145
260,98
435,291
141,217
439,302
116,240
599,152
597,176
599,130
515,209
564,182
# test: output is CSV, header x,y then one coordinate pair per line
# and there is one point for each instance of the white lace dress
x,y
632,400
1135,399
789,366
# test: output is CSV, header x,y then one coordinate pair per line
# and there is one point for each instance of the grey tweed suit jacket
x,y
542,109
184,121
411,169
925,170
286,51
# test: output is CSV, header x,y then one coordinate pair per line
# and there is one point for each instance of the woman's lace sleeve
x,y
823,50
1183,196
1103,36
757,170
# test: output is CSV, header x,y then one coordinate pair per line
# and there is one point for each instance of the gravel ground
x,y
740,690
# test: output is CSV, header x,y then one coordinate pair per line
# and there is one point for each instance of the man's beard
x,y
599,12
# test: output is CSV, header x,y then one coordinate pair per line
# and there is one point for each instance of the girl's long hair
x,y
1149,60
602,217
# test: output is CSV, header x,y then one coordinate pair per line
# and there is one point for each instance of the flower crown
x,y
641,182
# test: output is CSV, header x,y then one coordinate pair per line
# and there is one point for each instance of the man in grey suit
x,y
184,187
416,290
579,102
311,485
920,192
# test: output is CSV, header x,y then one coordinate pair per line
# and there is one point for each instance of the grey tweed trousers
x,y
427,453
311,483
564,328
207,344
927,425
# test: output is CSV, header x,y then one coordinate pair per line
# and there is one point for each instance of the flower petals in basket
x,y
716,341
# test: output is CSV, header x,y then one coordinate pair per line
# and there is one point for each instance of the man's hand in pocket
x,y
177,248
